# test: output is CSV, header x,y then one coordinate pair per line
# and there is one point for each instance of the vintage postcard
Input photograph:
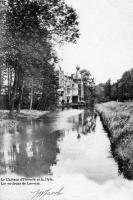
x,y
66,99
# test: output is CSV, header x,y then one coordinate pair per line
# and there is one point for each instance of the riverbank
x,y
24,114
118,121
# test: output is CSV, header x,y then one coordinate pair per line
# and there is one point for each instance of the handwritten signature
x,y
40,194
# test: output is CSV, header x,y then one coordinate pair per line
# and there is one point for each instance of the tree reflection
x,y
31,158
89,122
31,148
84,123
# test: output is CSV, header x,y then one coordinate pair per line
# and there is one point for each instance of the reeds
x,y
118,121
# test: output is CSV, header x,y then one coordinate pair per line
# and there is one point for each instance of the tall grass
x,y
118,120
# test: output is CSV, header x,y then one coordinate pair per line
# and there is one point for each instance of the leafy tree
x,y
107,90
100,93
120,90
123,88
89,84
31,28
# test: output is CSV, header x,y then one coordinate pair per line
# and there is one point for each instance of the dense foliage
x,y
89,85
121,90
29,31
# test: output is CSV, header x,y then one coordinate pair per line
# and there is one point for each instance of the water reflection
x,y
66,141
84,123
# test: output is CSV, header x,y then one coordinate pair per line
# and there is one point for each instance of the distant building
x,y
71,88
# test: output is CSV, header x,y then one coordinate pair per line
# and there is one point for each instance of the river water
x,y
69,150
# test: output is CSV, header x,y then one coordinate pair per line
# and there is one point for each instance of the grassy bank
x,y
118,121
5,121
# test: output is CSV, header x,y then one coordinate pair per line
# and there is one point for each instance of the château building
x,y
71,88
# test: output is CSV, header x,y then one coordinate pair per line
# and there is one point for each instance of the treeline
x,y
122,90
30,29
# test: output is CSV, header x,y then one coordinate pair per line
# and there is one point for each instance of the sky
x,y
105,47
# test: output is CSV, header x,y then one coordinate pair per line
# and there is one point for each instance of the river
x,y
69,149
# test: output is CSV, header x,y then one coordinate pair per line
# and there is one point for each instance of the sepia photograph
x,y
66,99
